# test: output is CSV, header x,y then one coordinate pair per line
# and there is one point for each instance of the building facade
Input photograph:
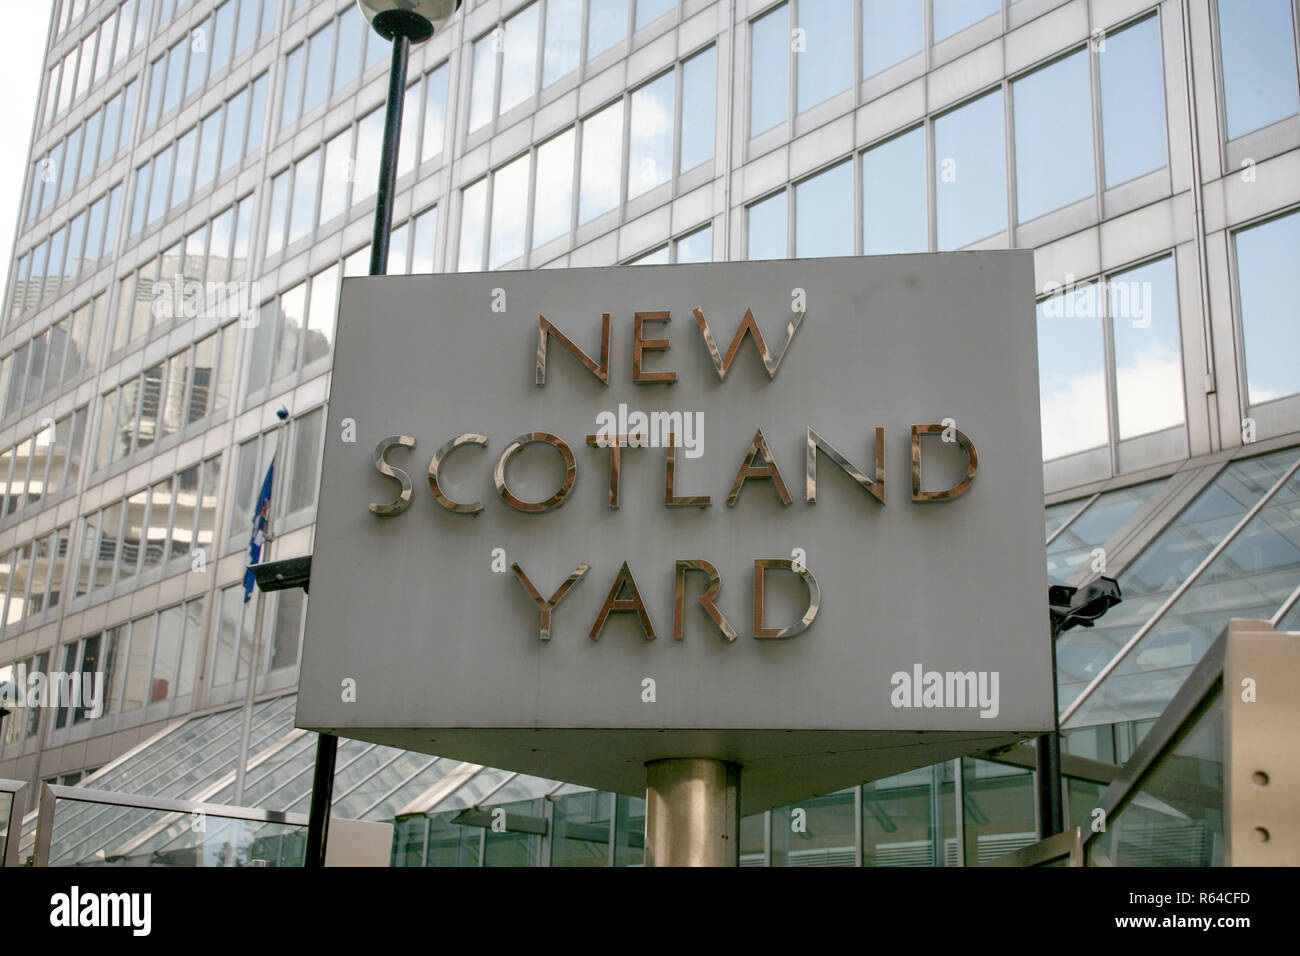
x,y
202,175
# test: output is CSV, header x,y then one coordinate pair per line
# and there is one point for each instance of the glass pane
x,y
435,113
581,829
606,25
629,831
171,622
825,63
648,11
321,314
160,506
519,66
699,102
951,16
819,831
563,38
897,825
767,228
823,221
1270,314
306,460
509,197
894,196
1053,128
483,80
1073,547
370,138
602,139
649,160
306,185
293,308
338,167
1147,582
553,198
1148,353
892,30
769,71
422,246
138,659
317,80
1175,817
970,172
1132,102
1259,68
697,247
1071,373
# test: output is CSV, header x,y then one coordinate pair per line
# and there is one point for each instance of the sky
x,y
22,50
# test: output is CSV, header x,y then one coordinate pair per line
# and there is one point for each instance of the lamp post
x,y
403,22
1067,607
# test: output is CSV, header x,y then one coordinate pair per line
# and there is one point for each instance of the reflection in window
x,y
563,37
699,102
1269,312
473,222
1053,130
769,70
950,16
1132,102
894,196
819,832
825,67
970,172
1257,44
649,159
509,199
892,31
767,228
602,137
519,62
553,199
823,223
1072,373
606,25
697,247
1148,356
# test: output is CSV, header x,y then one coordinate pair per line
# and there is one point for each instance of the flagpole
x,y
268,538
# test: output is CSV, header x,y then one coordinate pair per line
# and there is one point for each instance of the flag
x,y
259,531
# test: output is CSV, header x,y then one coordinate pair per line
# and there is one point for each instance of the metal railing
x,y
13,792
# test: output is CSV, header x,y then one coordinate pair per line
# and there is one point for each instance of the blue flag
x,y
259,532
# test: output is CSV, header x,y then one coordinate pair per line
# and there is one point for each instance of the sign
x,y
783,513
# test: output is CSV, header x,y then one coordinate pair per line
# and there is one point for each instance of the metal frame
x,y
1177,593
51,794
17,790
1060,846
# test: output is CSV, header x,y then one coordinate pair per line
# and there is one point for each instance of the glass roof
x,y
1149,581
1093,527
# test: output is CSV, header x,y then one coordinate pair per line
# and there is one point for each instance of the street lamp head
x,y
417,20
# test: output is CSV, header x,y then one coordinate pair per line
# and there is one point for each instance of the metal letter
x,y
641,346
601,371
747,470
616,445
706,599
875,488
747,324
435,463
972,464
761,566
614,603
535,507
404,499
670,482
543,605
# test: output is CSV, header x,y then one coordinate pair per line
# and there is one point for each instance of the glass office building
x,y
202,175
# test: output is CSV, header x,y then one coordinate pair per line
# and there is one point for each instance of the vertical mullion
x,y
1009,162
1108,345
1098,145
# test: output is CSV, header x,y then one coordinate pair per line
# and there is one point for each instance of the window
x,y
970,172
952,16
823,222
602,137
1052,108
560,52
1269,315
649,157
553,199
1257,47
768,228
894,214
1132,102
296,330
509,196
1133,315
769,73
825,62
892,31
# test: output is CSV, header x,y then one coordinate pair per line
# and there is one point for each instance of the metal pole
x,y
1051,813
388,157
322,789
322,793
268,538
692,813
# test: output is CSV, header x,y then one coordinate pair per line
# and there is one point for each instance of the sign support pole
x,y
692,812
